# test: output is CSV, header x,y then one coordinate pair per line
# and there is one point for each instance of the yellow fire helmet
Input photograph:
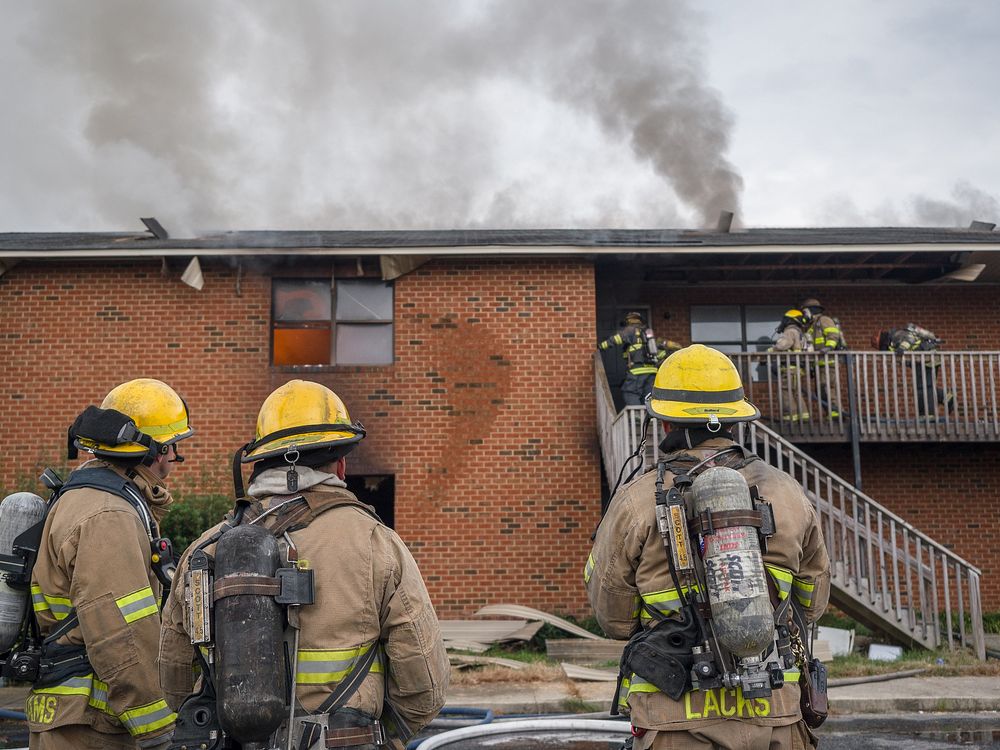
x,y
155,408
699,385
299,416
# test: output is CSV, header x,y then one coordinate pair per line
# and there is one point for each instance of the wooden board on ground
x,y
576,672
822,651
488,631
516,610
579,651
462,660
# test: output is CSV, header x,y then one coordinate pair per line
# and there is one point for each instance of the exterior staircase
x,y
886,574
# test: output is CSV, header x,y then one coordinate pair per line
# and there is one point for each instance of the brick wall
x,y
486,419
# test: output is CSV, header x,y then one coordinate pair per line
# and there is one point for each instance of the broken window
x,y
314,322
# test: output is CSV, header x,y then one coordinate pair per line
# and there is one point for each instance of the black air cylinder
x,y
249,638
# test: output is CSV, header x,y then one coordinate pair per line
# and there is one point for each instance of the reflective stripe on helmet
x,y
700,397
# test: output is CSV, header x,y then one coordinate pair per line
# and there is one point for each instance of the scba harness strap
x,y
290,586
44,662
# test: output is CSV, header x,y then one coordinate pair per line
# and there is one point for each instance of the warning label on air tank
x,y
734,575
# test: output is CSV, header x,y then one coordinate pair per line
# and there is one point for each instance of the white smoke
x,y
379,114
967,203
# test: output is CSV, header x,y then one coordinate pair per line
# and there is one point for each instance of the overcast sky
x,y
244,114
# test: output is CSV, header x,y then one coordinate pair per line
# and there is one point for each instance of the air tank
x,y
18,513
742,615
250,672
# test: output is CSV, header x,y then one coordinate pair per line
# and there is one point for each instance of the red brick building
x,y
468,356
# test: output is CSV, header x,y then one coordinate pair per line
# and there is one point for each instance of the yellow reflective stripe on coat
x,y
60,606
588,569
788,583
88,685
148,718
667,601
803,591
664,602
782,579
638,685
137,605
321,667
643,370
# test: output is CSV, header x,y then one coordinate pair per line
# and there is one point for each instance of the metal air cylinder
x,y
18,513
250,672
742,615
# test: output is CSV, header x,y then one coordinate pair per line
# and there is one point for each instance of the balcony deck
x,y
814,397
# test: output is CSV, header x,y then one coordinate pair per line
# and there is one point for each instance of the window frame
x,y
332,323
744,343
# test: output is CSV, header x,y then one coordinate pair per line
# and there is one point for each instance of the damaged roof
x,y
479,241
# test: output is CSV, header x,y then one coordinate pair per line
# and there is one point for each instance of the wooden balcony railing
x,y
885,572
886,397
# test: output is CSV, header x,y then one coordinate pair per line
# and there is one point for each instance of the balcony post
x,y
854,422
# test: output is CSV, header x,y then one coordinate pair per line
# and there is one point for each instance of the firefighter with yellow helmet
x,y
696,693
790,340
366,662
97,582
642,353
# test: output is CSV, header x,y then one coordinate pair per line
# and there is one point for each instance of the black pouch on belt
x,y
812,698
662,655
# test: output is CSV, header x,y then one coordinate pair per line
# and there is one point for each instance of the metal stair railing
x,y
619,432
885,573
809,396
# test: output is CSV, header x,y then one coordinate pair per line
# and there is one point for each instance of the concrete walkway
x,y
908,695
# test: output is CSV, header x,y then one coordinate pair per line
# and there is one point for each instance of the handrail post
x,y
855,419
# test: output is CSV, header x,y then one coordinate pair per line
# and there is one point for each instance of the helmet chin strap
x,y
714,425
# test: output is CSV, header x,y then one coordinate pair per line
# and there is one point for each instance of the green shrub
x,y
191,515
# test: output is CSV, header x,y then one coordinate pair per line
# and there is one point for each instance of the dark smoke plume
x,y
377,114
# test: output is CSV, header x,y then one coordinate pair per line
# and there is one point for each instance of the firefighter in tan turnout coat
x,y
93,587
369,594
628,579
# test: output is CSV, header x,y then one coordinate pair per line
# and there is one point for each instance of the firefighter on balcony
x,y
791,339
914,339
681,684
97,582
642,353
366,664
824,335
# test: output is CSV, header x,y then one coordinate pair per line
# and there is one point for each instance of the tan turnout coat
x,y
95,556
369,593
628,566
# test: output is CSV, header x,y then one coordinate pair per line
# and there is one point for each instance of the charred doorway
x,y
378,491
